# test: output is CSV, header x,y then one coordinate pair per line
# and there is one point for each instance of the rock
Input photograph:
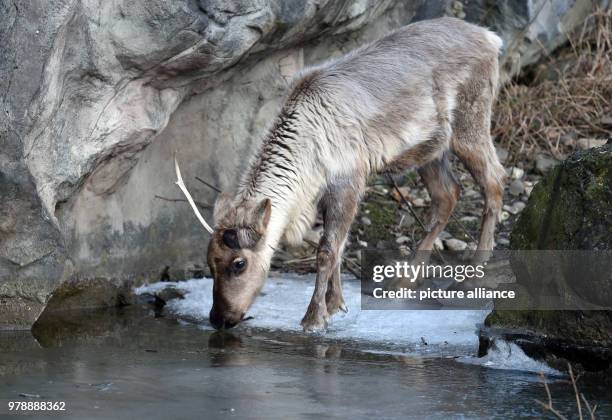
x,y
365,220
438,244
502,154
444,235
405,191
418,202
569,139
406,220
528,187
470,193
454,244
403,240
516,173
363,244
544,163
97,97
587,143
569,209
515,208
516,187
572,202
503,241
504,216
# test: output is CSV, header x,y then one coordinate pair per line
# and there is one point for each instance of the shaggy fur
x,y
406,100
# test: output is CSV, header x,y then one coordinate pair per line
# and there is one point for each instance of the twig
x,y
571,373
347,265
416,217
579,396
588,406
549,406
408,204
463,228
208,184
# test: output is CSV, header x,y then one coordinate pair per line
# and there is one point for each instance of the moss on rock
x,y
570,209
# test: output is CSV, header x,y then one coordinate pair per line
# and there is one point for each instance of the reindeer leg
x,y
333,298
339,206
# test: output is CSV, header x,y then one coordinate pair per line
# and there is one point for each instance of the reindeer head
x,y
237,258
237,254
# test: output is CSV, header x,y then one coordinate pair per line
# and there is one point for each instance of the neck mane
x,y
274,173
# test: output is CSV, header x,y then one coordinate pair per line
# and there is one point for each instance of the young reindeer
x,y
404,101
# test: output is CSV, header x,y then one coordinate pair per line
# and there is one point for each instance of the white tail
x,y
181,184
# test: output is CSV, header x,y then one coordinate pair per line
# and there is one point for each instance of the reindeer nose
x,y
219,321
216,319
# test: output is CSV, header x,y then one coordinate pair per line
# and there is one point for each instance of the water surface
x,y
129,364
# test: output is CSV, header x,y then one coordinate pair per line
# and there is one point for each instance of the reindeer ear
x,y
262,213
223,204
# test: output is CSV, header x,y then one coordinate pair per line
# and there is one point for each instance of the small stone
x,y
544,163
502,154
528,188
363,244
366,221
381,189
515,208
568,139
516,187
516,173
504,216
588,143
405,192
455,244
606,120
438,244
402,240
503,241
470,193
469,219
406,220
444,235
418,202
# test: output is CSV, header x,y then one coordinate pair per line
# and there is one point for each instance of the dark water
x,y
128,364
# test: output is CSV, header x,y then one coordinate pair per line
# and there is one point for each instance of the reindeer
x,y
405,101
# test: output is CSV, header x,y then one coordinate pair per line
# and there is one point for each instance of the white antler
x,y
181,184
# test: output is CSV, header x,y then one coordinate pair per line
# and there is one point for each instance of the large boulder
x,y
98,96
568,210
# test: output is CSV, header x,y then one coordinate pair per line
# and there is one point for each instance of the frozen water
x,y
284,301
410,332
509,356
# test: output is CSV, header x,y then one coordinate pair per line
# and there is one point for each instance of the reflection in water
x,y
104,362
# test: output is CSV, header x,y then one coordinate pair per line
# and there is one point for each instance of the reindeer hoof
x,y
335,303
314,323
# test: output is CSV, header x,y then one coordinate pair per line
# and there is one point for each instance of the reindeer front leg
x,y
339,206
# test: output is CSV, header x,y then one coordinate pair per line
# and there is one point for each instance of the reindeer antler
x,y
181,184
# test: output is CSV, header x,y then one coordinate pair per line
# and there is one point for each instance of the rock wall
x,y
98,96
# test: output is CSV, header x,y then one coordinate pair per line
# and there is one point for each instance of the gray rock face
x,y
97,97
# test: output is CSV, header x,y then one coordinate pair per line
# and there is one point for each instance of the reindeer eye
x,y
238,265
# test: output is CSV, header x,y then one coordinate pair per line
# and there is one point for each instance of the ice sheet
x,y
412,332
509,356
284,301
